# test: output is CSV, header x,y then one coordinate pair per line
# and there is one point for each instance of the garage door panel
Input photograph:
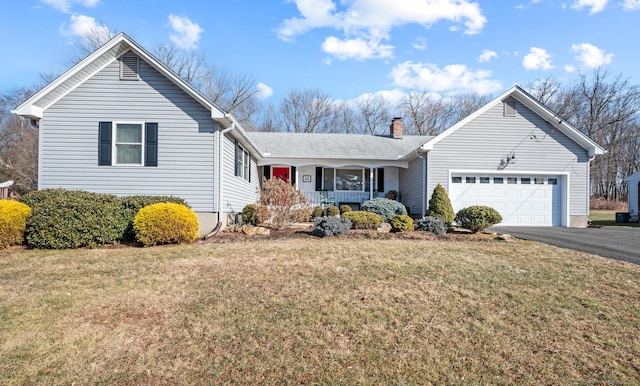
x,y
537,202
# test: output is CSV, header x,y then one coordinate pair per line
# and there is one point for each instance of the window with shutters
x,y
351,179
128,143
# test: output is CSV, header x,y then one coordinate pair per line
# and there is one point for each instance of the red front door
x,y
281,173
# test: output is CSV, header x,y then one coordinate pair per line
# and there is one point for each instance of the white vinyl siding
x,y
237,191
538,147
412,187
186,155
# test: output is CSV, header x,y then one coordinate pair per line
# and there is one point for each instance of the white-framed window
x,y
243,162
128,143
350,180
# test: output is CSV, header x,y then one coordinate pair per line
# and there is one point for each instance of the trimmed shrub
x,y
302,215
73,218
282,200
401,223
361,219
317,212
345,209
331,226
384,207
13,221
440,205
132,204
477,218
432,224
166,223
250,215
333,211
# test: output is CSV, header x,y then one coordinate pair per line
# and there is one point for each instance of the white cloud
x,y
420,44
537,59
631,5
595,5
65,5
264,91
569,68
590,55
454,77
366,21
487,55
82,25
186,33
358,48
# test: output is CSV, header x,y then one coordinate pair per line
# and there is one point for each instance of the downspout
x,y
220,135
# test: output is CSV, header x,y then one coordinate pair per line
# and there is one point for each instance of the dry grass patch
x,y
319,311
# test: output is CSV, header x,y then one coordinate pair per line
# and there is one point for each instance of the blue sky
x,y
345,48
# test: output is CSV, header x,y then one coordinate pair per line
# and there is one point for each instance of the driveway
x,y
620,243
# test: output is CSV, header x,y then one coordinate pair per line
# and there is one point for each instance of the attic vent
x,y
510,108
129,66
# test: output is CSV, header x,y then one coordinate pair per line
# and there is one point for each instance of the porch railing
x,y
354,199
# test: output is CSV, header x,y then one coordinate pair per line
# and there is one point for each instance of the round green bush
x,y
345,209
13,222
401,223
132,204
384,207
361,219
72,219
333,211
477,218
432,224
331,226
440,205
250,215
166,223
317,212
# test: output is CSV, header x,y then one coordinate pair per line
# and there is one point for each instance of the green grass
x,y
319,311
607,218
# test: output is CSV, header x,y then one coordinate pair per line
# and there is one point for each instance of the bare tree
x,y
374,115
305,111
91,40
18,142
343,118
427,114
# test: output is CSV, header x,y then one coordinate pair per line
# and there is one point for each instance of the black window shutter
x,y
380,179
151,144
266,172
104,143
293,175
236,166
318,178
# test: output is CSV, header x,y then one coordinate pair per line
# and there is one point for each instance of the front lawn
x,y
327,311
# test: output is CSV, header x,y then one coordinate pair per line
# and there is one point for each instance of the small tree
x,y
440,205
283,200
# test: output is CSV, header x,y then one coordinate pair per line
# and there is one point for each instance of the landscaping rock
x,y
262,231
506,238
251,230
385,227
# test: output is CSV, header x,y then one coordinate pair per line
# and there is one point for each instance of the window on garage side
x,y
242,163
128,143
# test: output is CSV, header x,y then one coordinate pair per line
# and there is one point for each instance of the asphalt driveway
x,y
620,243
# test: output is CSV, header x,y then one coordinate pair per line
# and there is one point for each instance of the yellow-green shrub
x,y
165,223
363,220
401,223
13,221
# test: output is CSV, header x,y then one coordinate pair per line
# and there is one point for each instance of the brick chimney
x,y
395,130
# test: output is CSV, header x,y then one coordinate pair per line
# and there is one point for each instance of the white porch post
x,y
297,176
371,173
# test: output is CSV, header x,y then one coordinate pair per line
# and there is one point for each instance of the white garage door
x,y
521,200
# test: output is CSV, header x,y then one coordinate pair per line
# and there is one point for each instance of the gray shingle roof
x,y
335,146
